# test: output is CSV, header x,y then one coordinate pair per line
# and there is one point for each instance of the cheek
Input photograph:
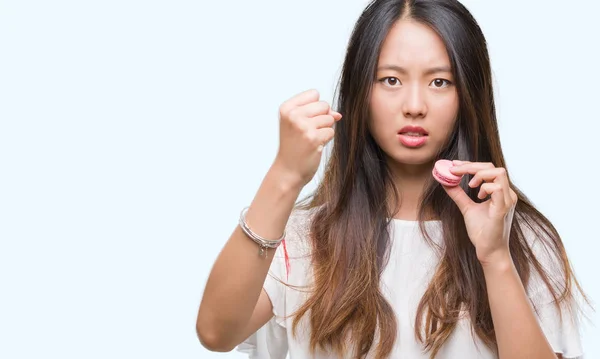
x,y
376,106
380,124
446,110
382,111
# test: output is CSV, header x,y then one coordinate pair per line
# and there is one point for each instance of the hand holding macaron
x,y
488,223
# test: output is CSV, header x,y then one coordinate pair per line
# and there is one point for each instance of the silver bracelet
x,y
263,243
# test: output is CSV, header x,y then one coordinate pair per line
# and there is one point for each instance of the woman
x,y
383,261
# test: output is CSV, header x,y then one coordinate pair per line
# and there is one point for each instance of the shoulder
x,y
544,243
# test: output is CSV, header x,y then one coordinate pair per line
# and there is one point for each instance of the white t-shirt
x,y
409,270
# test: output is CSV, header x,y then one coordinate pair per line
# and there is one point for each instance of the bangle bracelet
x,y
263,243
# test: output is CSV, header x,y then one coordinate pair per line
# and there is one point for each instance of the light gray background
x,y
133,132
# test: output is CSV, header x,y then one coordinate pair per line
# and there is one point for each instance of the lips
x,y
412,141
415,131
412,136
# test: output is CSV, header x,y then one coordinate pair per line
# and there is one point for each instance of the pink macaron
x,y
441,172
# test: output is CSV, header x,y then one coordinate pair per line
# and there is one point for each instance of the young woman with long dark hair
x,y
382,261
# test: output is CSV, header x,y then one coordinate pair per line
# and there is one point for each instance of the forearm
x,y
518,332
238,275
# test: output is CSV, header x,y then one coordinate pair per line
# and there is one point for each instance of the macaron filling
x,y
444,178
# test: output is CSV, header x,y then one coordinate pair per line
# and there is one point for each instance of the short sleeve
x,y
560,328
275,285
561,325
270,341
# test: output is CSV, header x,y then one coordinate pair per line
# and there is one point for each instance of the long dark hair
x,y
349,230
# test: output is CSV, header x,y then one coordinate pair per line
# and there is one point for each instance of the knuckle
x,y
299,125
284,109
309,136
322,106
293,114
313,93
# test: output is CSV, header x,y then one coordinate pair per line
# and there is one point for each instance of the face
x,y
414,101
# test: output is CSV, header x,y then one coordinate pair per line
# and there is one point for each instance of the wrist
x,y
287,181
500,260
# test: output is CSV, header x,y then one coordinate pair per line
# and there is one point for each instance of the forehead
x,y
412,44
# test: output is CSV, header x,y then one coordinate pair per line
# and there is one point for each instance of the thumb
x,y
460,197
336,115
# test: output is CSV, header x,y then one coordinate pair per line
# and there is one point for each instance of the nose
x,y
414,105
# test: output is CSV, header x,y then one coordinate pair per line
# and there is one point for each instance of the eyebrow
x,y
430,71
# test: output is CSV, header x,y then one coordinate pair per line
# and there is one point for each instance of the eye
x,y
440,83
390,81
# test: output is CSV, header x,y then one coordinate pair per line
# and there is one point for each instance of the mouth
x,y
412,140
412,134
413,131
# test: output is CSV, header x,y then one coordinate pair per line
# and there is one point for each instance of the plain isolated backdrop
x,y
132,134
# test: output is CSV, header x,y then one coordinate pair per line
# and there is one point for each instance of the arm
x,y
225,317
232,306
488,224
518,331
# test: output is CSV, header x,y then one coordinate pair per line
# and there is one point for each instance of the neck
x,y
410,182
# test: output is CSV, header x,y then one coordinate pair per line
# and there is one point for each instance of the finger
x,y
489,175
514,197
323,121
324,135
493,189
459,162
336,115
300,99
495,175
458,195
496,192
470,168
311,110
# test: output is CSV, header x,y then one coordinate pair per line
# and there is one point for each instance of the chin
x,y
413,157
